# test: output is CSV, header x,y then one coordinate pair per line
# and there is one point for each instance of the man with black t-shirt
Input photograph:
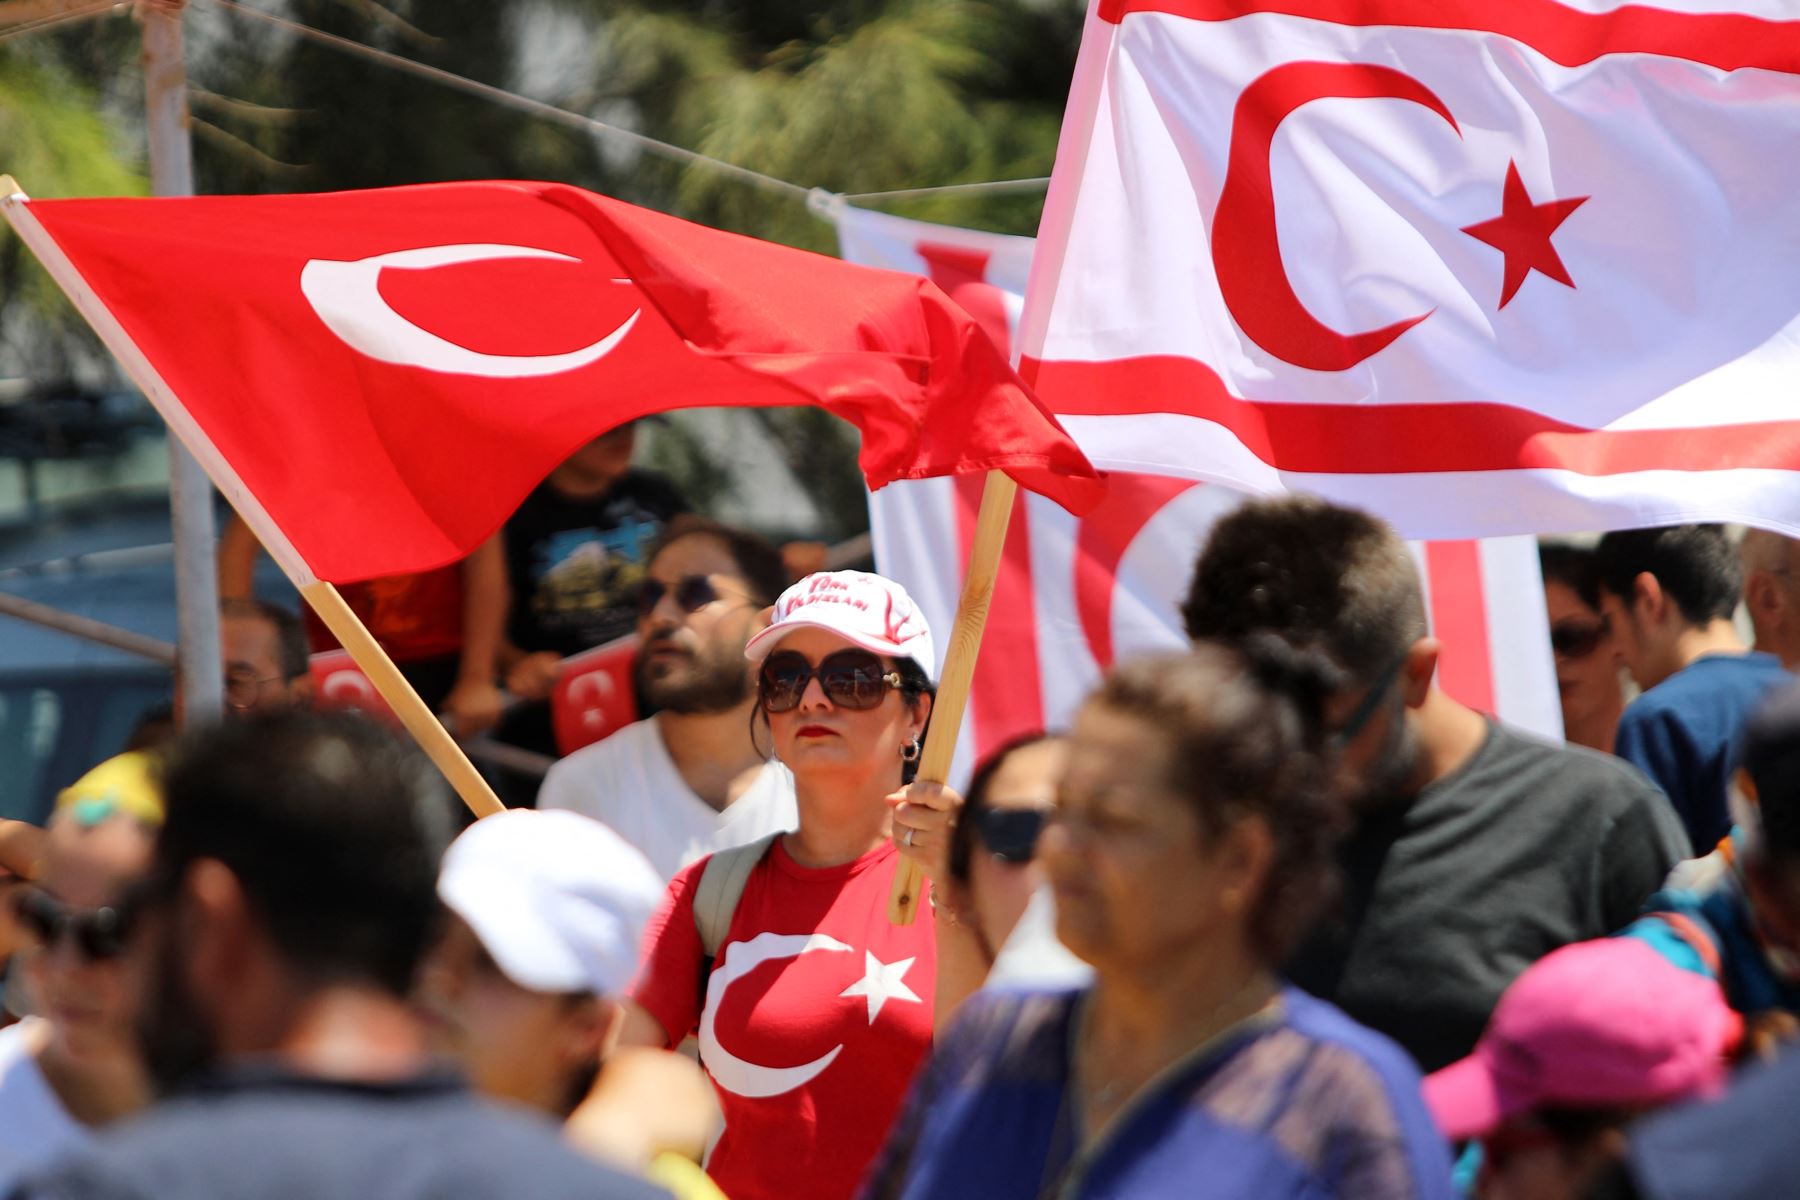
x,y
560,577
1475,850
292,892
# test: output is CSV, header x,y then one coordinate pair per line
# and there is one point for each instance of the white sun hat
x,y
865,610
558,900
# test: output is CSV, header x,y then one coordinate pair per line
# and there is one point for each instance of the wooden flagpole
x,y
997,498
418,719
414,714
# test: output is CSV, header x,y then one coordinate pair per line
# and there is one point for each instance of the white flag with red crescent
x,y
1482,267
1074,595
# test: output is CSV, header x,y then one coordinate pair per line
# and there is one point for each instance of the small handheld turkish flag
x,y
376,379
1483,268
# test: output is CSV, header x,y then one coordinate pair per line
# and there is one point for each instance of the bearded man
x,y
1474,849
691,779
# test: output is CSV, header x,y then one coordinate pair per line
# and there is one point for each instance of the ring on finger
x,y
906,839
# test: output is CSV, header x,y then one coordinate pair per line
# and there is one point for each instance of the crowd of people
x,y
1273,917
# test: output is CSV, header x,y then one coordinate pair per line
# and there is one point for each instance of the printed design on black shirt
x,y
587,579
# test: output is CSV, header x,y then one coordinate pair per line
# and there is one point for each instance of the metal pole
x,y
87,629
190,494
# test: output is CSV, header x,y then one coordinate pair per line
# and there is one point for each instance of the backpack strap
x,y
722,883
1699,937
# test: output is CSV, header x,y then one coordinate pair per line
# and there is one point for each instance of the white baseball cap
x,y
558,900
865,610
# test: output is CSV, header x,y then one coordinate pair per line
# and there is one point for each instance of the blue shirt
x,y
1710,928
1683,734
1299,1103
257,1131
1740,1148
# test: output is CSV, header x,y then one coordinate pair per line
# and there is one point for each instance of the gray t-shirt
x,y
1449,895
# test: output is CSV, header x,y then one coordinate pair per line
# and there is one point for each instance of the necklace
x,y
1106,1089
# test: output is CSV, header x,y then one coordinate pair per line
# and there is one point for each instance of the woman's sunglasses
x,y
1577,639
97,933
852,679
1011,834
692,593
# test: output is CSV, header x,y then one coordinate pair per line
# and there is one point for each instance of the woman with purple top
x,y
1190,846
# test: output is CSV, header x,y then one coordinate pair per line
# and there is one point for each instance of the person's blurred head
x,y
21,860
1197,813
705,592
547,911
1657,584
843,679
300,854
265,656
1333,579
77,915
1771,566
603,461
993,846
1586,1039
1769,777
1587,663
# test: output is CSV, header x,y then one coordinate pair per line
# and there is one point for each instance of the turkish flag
x,y
376,379
1074,594
1481,267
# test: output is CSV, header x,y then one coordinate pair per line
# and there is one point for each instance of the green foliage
x,y
858,97
55,142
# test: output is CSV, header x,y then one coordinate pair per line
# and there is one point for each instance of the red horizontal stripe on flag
x,y
1401,439
1728,41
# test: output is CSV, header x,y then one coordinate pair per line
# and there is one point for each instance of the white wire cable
x,y
513,100
992,185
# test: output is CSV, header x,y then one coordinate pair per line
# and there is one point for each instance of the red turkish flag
x,y
376,379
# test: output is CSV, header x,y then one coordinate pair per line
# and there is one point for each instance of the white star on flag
x,y
882,982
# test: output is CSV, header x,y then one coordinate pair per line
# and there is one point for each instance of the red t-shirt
x,y
817,1014
414,617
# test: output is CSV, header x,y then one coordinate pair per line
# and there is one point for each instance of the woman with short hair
x,y
1190,849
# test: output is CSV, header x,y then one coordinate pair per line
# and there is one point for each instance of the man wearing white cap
x,y
546,913
813,1011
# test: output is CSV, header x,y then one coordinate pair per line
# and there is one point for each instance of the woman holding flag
x,y
812,1010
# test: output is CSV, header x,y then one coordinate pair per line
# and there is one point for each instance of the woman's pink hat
x,y
1601,1024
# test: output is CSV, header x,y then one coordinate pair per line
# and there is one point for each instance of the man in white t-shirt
x,y
691,779
75,1065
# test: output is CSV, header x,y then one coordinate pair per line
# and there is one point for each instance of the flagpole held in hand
x,y
418,719
997,498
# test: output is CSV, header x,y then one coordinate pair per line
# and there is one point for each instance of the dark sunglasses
x,y
98,933
1011,834
853,679
692,593
1577,639
1371,703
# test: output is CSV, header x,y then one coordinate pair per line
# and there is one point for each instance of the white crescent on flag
x,y
1481,267
1074,595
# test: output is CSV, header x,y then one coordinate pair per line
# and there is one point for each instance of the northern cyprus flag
x,y
1482,266
1075,595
